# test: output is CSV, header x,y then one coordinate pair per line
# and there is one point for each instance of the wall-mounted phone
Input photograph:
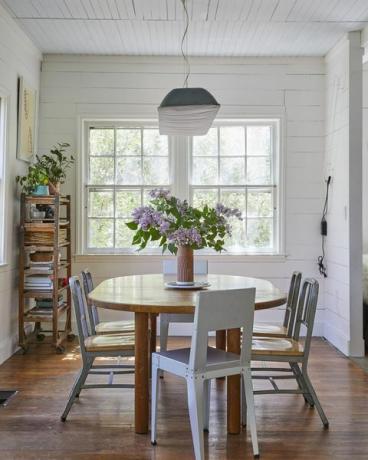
x,y
321,265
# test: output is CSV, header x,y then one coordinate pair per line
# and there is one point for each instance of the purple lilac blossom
x,y
159,193
146,217
221,209
185,236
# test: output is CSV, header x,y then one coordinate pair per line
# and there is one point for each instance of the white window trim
x,y
181,162
4,96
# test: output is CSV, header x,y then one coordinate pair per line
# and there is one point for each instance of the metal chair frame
x,y
215,310
298,364
88,357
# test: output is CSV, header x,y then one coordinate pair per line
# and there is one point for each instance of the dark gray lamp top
x,y
188,96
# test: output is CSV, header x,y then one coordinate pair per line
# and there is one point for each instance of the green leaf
x,y
132,225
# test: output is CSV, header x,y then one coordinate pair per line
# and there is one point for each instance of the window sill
x,y
153,257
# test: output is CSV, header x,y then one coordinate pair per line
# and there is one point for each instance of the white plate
x,y
195,285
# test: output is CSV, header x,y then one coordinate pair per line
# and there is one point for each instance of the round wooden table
x,y
147,297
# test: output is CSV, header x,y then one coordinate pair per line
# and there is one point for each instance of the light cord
x,y
185,39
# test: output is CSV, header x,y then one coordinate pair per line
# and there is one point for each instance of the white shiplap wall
x,y
123,87
365,158
343,288
18,57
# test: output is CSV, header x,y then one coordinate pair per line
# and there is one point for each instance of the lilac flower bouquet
x,y
175,224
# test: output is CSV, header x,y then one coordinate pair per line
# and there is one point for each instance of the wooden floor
x,y
100,424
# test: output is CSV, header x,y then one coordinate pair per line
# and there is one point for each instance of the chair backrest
x,y
92,309
218,310
292,302
79,302
169,267
306,311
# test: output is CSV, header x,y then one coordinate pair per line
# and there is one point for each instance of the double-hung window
x,y
236,163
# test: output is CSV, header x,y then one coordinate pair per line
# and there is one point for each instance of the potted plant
x,y
56,164
181,228
35,182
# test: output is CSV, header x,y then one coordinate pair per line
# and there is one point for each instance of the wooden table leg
x,y
141,373
221,340
233,386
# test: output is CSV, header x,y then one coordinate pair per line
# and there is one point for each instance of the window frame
x,y
180,171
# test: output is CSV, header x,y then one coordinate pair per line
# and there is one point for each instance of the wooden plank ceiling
x,y
217,27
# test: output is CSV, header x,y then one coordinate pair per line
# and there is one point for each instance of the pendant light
x,y
187,111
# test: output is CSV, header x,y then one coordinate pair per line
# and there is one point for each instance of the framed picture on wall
x,y
27,104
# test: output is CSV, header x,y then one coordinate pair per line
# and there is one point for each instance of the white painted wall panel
x,y
18,57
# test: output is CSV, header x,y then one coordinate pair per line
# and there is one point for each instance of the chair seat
x,y
215,359
110,327
276,346
269,330
109,342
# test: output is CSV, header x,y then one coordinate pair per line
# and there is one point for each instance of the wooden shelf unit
x,y
59,314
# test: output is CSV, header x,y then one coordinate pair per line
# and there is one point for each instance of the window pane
x,y
128,171
206,145
100,233
156,171
258,140
236,241
258,170
126,201
101,204
259,204
101,171
205,171
232,171
128,141
124,235
154,144
203,197
234,199
259,233
232,140
101,141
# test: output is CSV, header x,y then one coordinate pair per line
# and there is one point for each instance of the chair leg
x,y
206,405
251,416
164,334
313,394
243,405
195,405
297,373
154,395
77,388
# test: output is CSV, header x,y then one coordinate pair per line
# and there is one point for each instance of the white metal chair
x,y
286,329
97,346
292,351
215,310
104,327
169,268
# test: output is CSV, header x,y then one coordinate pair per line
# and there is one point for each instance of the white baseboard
x,y
8,347
336,338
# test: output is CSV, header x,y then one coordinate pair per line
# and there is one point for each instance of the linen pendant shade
x,y
187,112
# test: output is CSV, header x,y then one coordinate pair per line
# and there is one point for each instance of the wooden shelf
x,y
59,229
47,199
33,315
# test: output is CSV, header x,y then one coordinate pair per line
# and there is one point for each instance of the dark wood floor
x,y
100,425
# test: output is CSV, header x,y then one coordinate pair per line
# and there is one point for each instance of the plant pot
x,y
54,188
184,259
41,190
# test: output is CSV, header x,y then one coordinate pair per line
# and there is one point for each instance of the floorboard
x,y
100,424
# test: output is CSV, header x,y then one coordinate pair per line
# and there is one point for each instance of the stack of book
x,y
38,282
44,306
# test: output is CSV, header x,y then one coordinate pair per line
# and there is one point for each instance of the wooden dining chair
x,y
97,346
286,329
169,267
215,310
291,350
104,327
